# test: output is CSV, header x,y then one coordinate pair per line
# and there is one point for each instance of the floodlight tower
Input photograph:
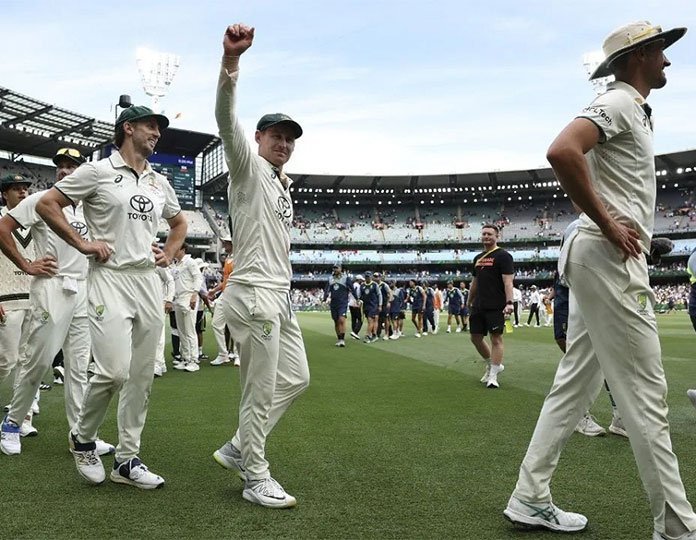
x,y
590,61
157,72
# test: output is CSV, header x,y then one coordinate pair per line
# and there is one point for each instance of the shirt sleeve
x,y
25,212
171,203
473,267
611,113
79,185
238,153
506,264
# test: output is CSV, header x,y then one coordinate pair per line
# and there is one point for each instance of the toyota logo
x,y
284,207
79,227
141,204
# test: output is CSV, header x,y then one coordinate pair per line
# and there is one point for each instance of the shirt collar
x,y
117,162
620,85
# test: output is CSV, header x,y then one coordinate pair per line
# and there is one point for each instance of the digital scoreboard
x,y
181,173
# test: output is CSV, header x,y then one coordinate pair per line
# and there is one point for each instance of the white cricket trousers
x,y
618,340
218,324
186,326
159,354
125,320
58,320
14,332
273,369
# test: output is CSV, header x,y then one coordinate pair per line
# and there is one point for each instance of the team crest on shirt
x,y
642,302
267,328
99,310
335,287
45,316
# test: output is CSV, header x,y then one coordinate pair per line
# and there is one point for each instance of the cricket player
x,y
220,330
371,297
605,162
396,310
383,317
168,298
454,300
59,304
123,200
187,282
416,296
354,307
256,302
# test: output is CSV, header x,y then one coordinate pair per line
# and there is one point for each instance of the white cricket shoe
x,y
341,343
267,492
220,360
103,448
10,444
395,335
493,376
27,429
229,457
58,375
134,473
617,427
237,362
35,410
588,426
692,396
87,460
417,334
191,366
354,335
546,515
425,333
458,330
385,337
449,330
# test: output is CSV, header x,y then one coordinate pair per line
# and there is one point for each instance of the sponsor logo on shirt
x,y
142,206
597,111
283,211
485,261
80,228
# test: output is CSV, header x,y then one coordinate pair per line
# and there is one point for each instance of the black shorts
x,y
560,312
338,311
397,316
483,322
200,321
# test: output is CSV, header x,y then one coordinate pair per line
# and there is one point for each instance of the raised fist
x,y
237,39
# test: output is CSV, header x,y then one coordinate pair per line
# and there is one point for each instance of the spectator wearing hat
x,y
257,304
58,301
354,302
123,200
337,292
605,162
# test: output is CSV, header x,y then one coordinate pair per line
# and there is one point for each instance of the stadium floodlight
x,y
157,71
590,61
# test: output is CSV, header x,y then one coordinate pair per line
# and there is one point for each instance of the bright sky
x,y
379,86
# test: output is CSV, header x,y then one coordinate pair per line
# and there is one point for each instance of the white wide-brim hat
x,y
627,38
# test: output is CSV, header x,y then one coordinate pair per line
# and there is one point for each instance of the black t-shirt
x,y
488,271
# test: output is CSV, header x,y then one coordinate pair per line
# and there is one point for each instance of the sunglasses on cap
x,y
70,153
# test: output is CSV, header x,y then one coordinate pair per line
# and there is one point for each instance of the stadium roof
x,y
674,163
30,126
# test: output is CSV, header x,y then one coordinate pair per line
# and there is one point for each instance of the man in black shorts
x,y
490,301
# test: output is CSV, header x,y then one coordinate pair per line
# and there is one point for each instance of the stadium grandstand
x,y
404,226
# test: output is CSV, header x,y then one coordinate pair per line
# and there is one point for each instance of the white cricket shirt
x,y
122,208
15,284
260,207
622,165
71,263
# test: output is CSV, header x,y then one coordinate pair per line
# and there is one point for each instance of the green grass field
x,y
391,440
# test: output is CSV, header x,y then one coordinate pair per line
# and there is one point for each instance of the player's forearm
x,y
8,246
176,236
225,101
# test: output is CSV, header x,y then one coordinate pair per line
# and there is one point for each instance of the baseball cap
x,y
359,277
139,112
368,274
268,120
10,180
72,154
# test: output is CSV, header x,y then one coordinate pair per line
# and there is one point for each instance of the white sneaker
x,y
104,448
486,373
191,367
236,360
436,330
394,336
546,515
267,492
58,375
692,396
354,335
134,473
27,429
178,364
338,343
493,376
87,460
35,407
589,426
158,371
425,333
220,360
385,338
10,444
449,330
341,343
229,457
458,330
417,334
617,427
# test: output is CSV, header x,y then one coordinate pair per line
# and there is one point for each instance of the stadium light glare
x,y
157,71
680,170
